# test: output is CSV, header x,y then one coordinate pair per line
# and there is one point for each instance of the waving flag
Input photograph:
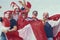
x,y
56,29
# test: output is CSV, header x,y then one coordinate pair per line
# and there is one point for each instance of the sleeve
x,y
54,23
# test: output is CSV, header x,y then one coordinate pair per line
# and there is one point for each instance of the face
x,y
34,15
12,5
45,15
17,11
23,15
6,15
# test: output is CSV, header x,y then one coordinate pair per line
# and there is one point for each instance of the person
x,y
37,26
16,14
24,29
26,7
29,27
2,28
21,21
23,14
12,33
48,25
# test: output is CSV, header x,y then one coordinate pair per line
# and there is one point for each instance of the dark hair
x,y
35,13
22,8
1,19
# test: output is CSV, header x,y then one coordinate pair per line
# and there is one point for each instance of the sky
x,y
50,6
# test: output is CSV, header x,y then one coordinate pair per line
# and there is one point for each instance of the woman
x,y
12,33
2,30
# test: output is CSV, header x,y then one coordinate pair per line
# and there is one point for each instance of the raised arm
x,y
13,29
24,5
24,2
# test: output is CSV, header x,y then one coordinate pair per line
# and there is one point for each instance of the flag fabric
x,y
56,29
33,31
27,33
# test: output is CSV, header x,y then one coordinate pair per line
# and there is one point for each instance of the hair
x,y
46,13
1,19
35,13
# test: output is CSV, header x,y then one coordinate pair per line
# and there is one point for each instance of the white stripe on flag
x,y
27,33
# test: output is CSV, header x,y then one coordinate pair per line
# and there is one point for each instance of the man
x,y
37,29
48,25
21,21
26,7
23,14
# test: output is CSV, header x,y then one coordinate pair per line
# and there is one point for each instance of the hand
x,y
5,31
20,1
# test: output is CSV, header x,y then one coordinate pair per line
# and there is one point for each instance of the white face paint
x,y
7,15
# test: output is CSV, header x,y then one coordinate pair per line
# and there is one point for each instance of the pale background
x,y
51,6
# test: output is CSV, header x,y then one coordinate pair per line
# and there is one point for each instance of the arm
x,y
13,26
24,2
13,29
27,9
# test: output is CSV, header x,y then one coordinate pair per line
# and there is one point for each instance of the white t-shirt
x,y
2,28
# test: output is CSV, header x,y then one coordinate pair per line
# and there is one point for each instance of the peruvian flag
x,y
56,29
33,31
